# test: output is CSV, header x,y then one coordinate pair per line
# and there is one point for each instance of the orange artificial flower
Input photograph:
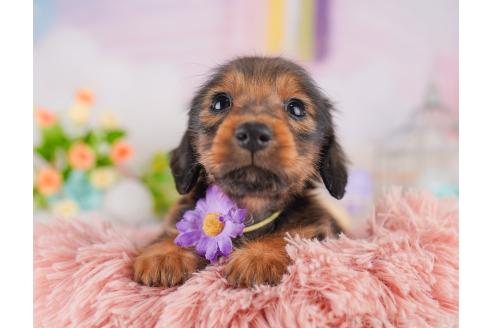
x,y
81,156
121,152
48,181
45,118
85,96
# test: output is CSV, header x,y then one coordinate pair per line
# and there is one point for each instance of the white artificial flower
x,y
109,121
103,178
66,208
79,113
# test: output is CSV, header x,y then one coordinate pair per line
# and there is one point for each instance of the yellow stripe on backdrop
x,y
306,29
275,34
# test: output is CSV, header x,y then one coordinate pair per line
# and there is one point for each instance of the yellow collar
x,y
262,223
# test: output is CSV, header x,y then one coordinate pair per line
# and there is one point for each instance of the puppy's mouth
x,y
250,180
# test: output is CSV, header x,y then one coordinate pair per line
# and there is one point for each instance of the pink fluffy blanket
x,y
401,270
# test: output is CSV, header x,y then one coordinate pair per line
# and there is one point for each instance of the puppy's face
x,y
261,130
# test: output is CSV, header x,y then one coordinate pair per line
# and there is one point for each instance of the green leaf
x,y
103,160
159,162
114,135
66,173
39,200
54,136
158,179
91,139
45,151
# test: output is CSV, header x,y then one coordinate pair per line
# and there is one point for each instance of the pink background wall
x,y
145,59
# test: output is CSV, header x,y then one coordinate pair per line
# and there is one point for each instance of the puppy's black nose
x,y
253,136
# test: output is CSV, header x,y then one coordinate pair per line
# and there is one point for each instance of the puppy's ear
x,y
332,163
184,165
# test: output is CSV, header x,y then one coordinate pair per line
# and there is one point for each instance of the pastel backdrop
x,y
143,60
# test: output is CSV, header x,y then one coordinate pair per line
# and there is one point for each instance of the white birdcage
x,y
422,153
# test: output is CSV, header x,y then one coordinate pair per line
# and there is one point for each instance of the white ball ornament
x,y
128,201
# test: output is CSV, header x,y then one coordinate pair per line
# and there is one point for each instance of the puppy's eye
x,y
295,108
221,102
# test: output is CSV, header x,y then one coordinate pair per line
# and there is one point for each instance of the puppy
x,y
262,131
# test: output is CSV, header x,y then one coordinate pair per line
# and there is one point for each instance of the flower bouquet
x,y
72,170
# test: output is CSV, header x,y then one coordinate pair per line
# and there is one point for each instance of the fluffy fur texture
x,y
400,270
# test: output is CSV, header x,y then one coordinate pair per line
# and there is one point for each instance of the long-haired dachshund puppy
x,y
261,130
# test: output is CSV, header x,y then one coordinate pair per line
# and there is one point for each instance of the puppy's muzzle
x,y
253,136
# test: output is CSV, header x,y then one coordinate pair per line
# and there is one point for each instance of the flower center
x,y
212,225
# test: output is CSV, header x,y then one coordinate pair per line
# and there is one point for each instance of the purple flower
x,y
211,225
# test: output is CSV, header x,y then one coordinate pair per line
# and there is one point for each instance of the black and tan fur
x,y
304,153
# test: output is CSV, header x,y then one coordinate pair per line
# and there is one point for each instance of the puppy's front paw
x,y
164,265
258,262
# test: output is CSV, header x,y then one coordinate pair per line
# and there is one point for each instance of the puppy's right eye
x,y
221,102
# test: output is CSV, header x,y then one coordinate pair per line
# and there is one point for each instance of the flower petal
x,y
186,226
232,229
238,214
201,246
212,249
191,221
192,216
225,245
201,207
187,239
217,200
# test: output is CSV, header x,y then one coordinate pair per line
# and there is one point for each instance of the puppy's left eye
x,y
295,108
221,102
